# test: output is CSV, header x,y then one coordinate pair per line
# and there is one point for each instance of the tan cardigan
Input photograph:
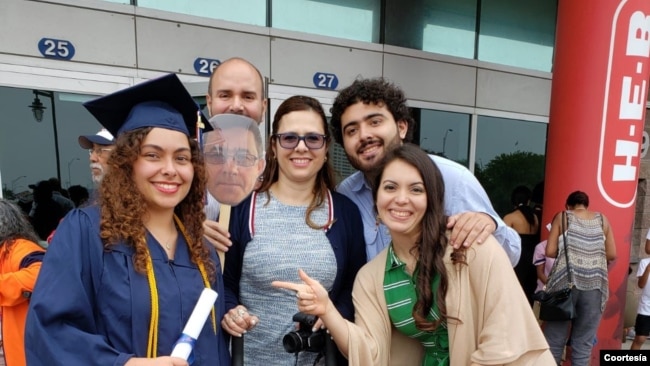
x,y
496,327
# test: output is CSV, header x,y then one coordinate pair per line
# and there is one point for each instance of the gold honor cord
x,y
152,344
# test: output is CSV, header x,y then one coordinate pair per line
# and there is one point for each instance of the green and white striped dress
x,y
400,292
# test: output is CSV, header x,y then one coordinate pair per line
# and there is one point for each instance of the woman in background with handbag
x,y
590,246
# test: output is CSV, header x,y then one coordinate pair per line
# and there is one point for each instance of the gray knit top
x,y
282,244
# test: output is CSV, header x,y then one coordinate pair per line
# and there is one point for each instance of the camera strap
x,y
321,354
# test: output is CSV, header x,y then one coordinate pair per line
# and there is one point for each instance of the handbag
x,y
558,305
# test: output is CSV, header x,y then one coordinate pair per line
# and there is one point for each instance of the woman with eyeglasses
x,y
293,220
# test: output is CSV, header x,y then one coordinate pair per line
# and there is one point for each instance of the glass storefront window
x,y
70,119
439,26
248,12
340,162
509,153
444,133
350,19
45,149
518,33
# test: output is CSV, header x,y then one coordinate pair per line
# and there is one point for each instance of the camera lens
x,y
292,342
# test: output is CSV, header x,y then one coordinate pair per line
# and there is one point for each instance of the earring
x,y
326,159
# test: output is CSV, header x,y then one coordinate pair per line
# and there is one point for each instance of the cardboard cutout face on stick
x,y
234,157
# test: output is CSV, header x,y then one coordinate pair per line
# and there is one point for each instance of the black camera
x,y
304,339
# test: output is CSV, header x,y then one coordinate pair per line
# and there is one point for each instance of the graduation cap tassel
x,y
199,128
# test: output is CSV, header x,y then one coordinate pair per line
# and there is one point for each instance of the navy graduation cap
x,y
163,102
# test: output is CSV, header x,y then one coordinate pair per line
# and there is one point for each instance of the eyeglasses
x,y
99,151
242,159
290,140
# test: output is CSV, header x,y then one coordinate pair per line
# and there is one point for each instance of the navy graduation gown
x,y
90,306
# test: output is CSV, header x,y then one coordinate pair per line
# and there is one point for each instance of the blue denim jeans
x,y
581,330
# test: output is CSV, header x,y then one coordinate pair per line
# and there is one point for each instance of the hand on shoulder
x,y
469,228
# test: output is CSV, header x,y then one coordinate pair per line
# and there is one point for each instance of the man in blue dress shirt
x,y
369,118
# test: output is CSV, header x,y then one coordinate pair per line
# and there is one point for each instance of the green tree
x,y
507,171
8,193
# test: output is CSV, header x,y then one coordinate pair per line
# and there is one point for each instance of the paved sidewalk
x,y
628,343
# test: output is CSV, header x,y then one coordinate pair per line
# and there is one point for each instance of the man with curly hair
x,y
370,118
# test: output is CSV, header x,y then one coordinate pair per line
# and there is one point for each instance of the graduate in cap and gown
x,y
122,278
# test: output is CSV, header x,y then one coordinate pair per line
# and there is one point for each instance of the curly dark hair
x,y
325,179
372,91
430,249
123,207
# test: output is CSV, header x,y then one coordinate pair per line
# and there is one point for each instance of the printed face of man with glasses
x,y
234,158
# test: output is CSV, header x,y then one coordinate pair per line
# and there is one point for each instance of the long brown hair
x,y
123,207
324,179
432,244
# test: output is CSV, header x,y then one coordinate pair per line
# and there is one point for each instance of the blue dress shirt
x,y
463,193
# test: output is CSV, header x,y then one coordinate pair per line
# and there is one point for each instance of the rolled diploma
x,y
195,323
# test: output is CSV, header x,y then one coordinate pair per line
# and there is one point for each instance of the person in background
x,y
236,86
79,195
420,301
369,119
121,278
57,190
543,266
590,243
537,201
642,323
58,195
632,299
99,146
46,213
294,220
20,262
523,220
